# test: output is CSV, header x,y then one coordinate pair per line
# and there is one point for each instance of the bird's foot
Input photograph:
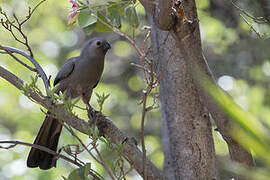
x,y
92,114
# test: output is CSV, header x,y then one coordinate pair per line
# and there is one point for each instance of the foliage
x,y
249,131
230,47
93,16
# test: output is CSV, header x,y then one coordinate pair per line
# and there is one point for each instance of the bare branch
x,y
259,20
104,164
11,78
83,145
9,25
17,59
38,68
30,13
251,26
142,133
43,148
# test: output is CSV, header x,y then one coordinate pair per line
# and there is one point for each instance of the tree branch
x,y
45,149
131,152
17,59
38,68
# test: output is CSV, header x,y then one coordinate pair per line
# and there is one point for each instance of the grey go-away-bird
x,y
78,77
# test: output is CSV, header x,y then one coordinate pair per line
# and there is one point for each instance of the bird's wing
x,y
65,70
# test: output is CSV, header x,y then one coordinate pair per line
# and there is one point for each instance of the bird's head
x,y
96,46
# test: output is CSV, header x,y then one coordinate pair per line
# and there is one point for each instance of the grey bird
x,y
78,77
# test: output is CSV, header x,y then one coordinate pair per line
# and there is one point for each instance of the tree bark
x,y
179,91
188,38
186,130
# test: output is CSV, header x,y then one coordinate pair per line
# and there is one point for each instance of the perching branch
x,y
130,151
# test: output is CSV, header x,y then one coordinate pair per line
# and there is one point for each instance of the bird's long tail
x,y
48,136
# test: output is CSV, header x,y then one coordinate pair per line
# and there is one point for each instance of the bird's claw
x,y
92,113
132,139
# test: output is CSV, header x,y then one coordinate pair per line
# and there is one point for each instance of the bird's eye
x,y
98,43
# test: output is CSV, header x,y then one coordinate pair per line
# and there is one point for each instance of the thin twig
x,y
42,148
45,149
80,141
251,26
9,25
259,20
30,13
33,61
17,59
142,133
103,162
116,30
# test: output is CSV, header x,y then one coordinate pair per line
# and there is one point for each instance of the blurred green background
x,y
239,60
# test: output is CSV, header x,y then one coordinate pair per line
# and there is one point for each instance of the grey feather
x,y
65,70
77,77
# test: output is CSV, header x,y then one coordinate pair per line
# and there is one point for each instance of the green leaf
x,y
132,16
77,174
80,3
95,3
87,170
75,100
64,95
114,15
89,29
100,27
247,130
85,19
55,88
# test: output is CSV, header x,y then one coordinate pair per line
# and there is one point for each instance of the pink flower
x,y
75,7
73,17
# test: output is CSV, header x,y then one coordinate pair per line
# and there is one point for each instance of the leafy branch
x,y
52,102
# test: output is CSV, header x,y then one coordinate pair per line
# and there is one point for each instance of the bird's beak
x,y
106,46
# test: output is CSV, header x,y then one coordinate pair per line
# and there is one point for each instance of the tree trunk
x,y
182,98
186,130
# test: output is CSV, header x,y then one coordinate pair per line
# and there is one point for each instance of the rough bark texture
x,y
184,92
188,39
186,130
